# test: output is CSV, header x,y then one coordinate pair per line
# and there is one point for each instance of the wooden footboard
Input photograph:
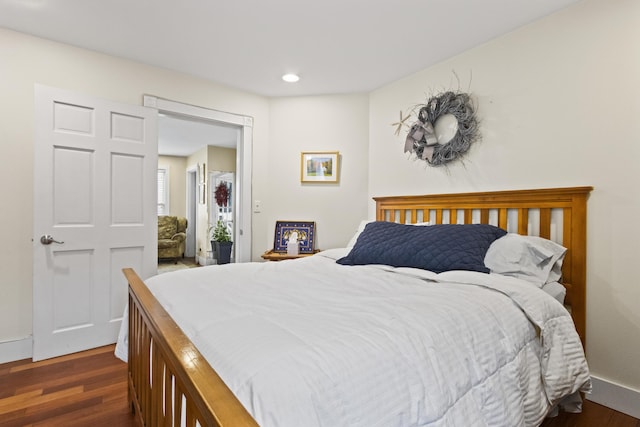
x,y
170,382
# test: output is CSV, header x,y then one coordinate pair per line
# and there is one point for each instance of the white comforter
x,y
309,343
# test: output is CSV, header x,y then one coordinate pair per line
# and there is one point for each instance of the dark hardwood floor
x,y
593,415
81,389
90,389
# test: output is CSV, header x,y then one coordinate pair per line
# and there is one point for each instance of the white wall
x,y
559,102
28,60
221,159
177,170
318,123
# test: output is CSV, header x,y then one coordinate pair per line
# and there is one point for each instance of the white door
x,y
95,196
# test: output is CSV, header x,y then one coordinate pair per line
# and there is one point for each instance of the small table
x,y
270,255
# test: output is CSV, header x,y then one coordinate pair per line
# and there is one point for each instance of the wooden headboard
x,y
558,214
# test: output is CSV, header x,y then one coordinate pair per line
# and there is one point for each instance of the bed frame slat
x,y
484,216
468,216
502,218
567,267
545,223
523,221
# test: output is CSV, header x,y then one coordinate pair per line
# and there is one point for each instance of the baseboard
x,y
615,396
16,349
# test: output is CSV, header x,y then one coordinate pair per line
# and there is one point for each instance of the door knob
x,y
48,239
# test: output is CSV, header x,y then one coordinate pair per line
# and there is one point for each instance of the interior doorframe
x,y
242,203
191,194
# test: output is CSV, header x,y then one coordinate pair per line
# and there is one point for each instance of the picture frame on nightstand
x,y
305,230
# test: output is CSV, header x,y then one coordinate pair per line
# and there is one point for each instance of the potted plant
x,y
221,243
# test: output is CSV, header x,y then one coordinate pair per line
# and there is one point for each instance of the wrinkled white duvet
x,y
309,343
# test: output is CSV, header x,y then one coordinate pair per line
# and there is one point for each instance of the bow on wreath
x,y
418,131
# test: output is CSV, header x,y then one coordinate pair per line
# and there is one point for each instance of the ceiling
x,y
336,46
182,137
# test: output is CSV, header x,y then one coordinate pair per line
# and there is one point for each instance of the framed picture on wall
x,y
304,230
321,167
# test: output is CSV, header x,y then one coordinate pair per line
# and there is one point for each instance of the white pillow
x,y
531,258
556,290
363,224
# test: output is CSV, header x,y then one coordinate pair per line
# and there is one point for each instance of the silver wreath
x,y
422,139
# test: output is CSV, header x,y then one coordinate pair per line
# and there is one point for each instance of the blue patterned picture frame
x,y
306,231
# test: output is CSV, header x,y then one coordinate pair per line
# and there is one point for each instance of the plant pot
x,y
222,251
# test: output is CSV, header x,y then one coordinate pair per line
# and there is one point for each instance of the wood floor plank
x,y
18,401
29,399
93,416
28,364
81,375
47,411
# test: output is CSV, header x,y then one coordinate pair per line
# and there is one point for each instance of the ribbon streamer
x,y
420,134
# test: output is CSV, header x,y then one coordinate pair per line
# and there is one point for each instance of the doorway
x,y
242,201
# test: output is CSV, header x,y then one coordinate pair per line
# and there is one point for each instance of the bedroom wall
x,y
317,123
28,60
559,102
177,169
221,159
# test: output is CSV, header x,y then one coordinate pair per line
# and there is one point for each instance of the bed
x,y
366,357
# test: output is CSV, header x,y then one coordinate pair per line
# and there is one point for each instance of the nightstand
x,y
270,255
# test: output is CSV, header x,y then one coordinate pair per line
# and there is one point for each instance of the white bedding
x,y
313,343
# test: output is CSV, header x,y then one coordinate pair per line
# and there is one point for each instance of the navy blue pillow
x,y
437,248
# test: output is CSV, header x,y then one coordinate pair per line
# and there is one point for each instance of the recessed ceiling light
x,y
290,78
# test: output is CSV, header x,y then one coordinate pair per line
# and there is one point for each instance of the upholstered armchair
x,y
171,237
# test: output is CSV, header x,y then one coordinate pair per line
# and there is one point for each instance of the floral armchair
x,y
171,237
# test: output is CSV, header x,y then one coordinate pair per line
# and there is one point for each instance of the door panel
x,y
74,169
77,287
126,189
95,193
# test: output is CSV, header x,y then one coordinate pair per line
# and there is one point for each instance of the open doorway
x,y
243,126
